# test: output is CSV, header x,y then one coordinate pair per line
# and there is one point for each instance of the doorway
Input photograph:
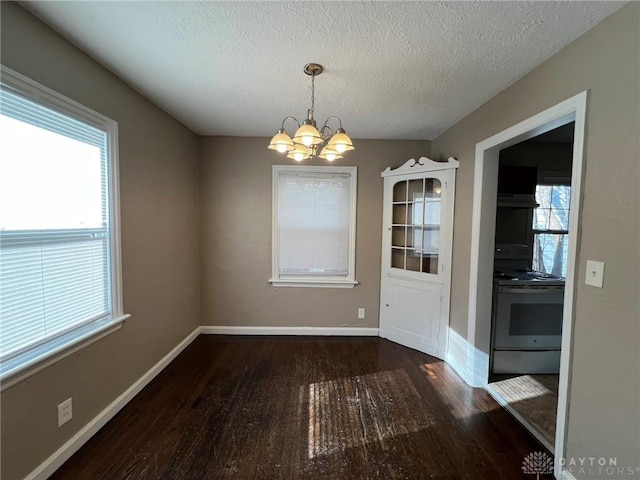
x,y
530,262
483,241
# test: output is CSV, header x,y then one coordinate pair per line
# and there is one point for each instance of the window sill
x,y
23,366
313,283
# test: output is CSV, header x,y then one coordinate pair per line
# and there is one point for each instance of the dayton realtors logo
x,y
537,463
597,466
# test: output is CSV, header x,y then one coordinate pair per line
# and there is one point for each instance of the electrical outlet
x,y
65,412
361,312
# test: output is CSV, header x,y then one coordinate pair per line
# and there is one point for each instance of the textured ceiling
x,y
393,70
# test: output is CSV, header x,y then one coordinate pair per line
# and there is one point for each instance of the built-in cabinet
x,y
416,254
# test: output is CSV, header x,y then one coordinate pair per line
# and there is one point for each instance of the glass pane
x,y
400,192
433,188
49,180
413,261
397,258
414,214
430,264
432,212
398,237
416,190
433,202
399,214
431,240
553,212
550,253
417,213
413,237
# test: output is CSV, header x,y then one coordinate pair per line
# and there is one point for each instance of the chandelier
x,y
308,140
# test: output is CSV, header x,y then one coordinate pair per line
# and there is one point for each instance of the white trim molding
x,y
310,331
314,283
63,351
43,352
281,279
51,464
483,239
422,165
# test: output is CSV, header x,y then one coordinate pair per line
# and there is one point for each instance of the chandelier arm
x,y
326,132
290,118
333,116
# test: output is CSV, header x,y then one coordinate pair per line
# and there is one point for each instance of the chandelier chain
x,y
313,93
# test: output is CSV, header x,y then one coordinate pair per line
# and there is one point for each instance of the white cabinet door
x,y
416,257
413,314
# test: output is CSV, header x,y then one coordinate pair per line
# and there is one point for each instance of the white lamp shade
x,y
340,142
281,142
308,135
329,155
299,153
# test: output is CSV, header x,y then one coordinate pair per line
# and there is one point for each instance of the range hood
x,y
517,200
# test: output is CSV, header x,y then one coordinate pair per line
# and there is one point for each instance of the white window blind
x,y
315,223
55,230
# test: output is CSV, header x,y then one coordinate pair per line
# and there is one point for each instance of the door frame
x,y
483,239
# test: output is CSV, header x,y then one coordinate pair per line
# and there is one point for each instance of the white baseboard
x,y
457,367
320,331
51,464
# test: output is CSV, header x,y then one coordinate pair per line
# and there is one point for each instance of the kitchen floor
x,y
532,399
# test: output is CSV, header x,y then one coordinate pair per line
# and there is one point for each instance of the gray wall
x,y
604,389
158,184
235,237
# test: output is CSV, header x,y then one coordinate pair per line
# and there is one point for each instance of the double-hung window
x,y
551,229
314,220
59,258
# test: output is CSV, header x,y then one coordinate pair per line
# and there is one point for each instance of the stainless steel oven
x,y
527,315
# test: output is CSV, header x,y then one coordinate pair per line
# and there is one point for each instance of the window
x,y
551,229
59,261
314,219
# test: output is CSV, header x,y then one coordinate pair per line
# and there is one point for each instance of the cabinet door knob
x,y
387,304
389,228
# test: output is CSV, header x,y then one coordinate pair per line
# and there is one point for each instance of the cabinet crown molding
x,y
423,164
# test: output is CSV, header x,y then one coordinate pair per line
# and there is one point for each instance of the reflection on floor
x,y
532,399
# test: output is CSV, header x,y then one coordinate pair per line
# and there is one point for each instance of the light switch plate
x,y
595,273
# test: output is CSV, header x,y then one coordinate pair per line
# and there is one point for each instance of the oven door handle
x,y
530,290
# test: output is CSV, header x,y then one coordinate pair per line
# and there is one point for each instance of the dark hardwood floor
x,y
306,408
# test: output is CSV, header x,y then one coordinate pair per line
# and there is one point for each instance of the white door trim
x,y
483,238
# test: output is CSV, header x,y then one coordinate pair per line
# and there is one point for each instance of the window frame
x,y
40,355
318,281
535,231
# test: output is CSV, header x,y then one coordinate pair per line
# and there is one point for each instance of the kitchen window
x,y
551,229
59,256
314,219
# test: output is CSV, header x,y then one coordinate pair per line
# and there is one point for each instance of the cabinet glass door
x,y
415,229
